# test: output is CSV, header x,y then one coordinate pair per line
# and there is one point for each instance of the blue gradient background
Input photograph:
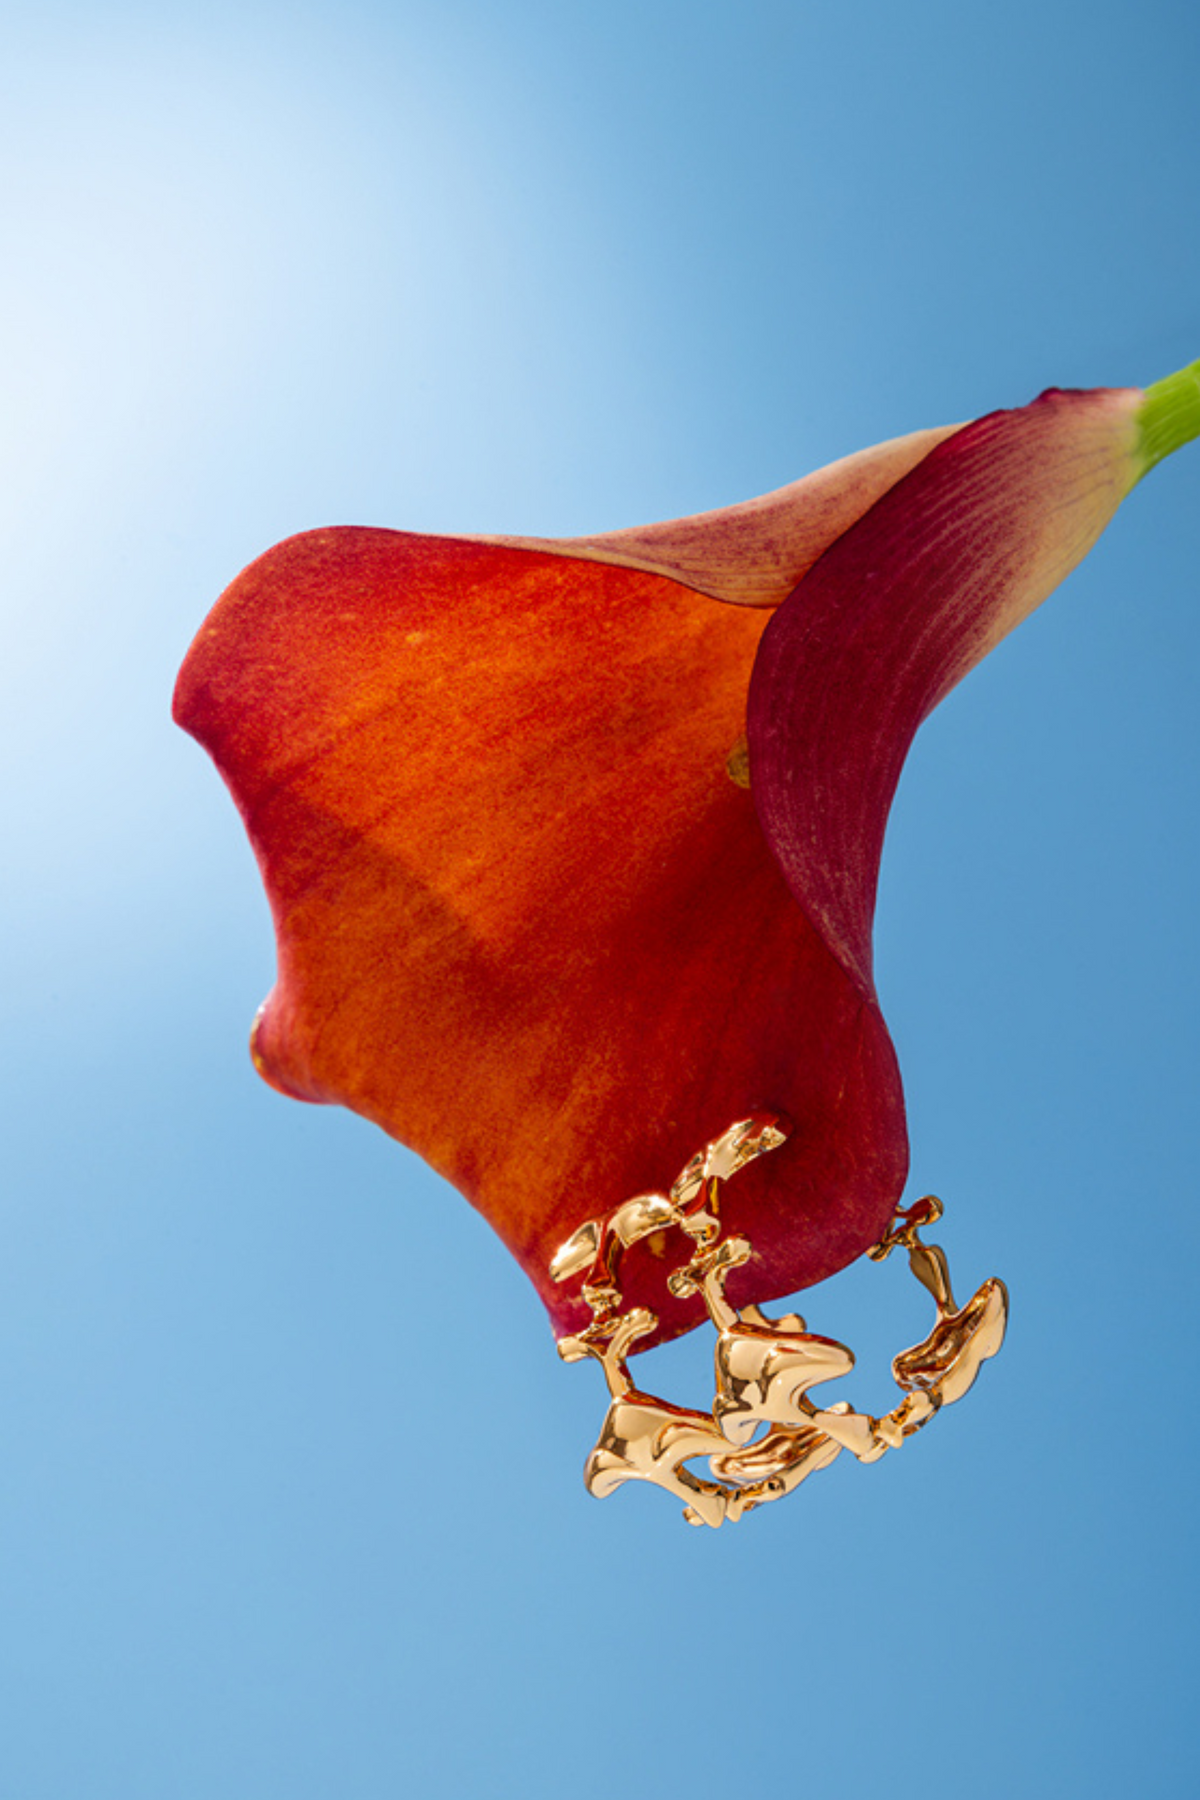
x,y
548,268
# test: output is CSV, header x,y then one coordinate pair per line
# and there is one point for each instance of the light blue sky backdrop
x,y
544,268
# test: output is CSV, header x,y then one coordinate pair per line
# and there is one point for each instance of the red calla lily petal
x,y
526,920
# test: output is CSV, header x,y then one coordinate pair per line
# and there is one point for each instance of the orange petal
x,y
525,919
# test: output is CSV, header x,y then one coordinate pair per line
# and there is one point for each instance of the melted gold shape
x,y
945,1363
764,1435
642,1217
739,1144
578,1253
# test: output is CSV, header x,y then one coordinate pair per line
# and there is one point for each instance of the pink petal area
x,y
753,554
897,612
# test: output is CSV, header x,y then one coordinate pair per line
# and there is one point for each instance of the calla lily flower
x,y
572,846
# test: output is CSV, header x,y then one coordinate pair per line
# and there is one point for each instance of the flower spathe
x,y
527,919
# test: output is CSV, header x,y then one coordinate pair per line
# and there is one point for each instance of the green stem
x,y
1169,415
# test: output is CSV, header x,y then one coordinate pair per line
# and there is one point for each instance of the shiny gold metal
x,y
578,1253
642,1217
945,1363
724,1156
764,1367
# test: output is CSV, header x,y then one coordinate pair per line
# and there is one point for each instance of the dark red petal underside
x,y
896,612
